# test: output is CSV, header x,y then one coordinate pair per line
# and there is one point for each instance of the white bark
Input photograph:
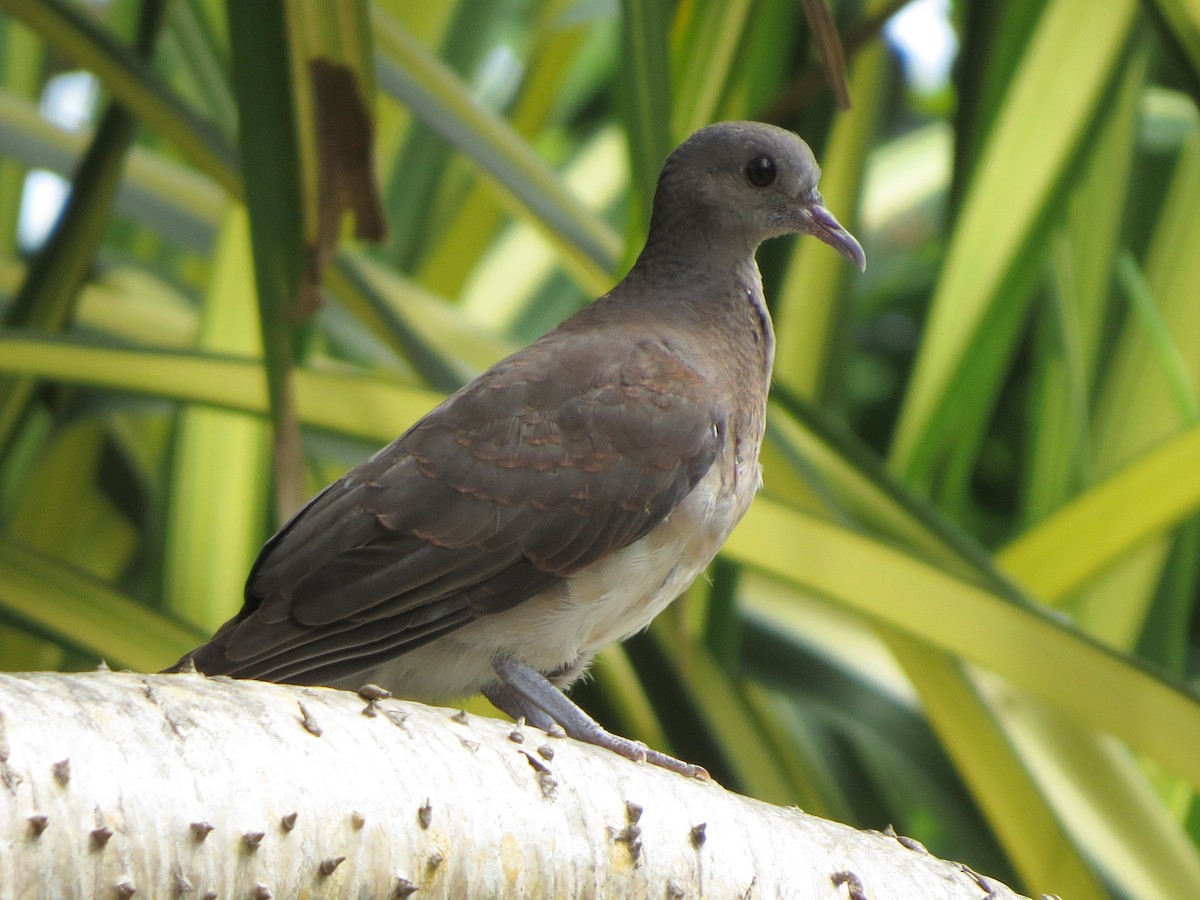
x,y
186,786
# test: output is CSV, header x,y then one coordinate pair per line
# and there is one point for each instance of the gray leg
x,y
508,701
529,692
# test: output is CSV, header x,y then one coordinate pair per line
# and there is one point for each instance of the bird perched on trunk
x,y
562,499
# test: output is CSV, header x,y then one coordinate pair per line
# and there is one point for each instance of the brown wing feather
x,y
550,461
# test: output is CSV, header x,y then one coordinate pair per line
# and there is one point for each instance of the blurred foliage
x,y
965,603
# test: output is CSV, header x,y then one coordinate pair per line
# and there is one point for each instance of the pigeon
x,y
561,500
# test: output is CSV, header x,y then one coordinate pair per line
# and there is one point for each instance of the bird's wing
x,y
552,460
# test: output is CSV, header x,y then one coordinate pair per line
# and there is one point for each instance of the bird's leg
x,y
526,692
507,700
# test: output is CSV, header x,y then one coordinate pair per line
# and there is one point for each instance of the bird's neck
x,y
691,255
699,280
714,296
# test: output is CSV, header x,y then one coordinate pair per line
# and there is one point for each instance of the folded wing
x,y
549,462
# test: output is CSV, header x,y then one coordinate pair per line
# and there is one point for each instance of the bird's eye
x,y
760,171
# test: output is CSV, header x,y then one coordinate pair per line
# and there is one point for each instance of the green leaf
x,y
1071,329
1045,657
704,46
68,605
55,277
218,479
441,100
1182,17
350,403
1066,549
808,306
67,28
1044,118
262,82
647,100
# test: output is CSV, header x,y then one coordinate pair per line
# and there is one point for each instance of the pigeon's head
x,y
740,183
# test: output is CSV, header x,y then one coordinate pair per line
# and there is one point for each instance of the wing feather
x,y
552,460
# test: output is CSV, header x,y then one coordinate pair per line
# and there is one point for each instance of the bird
x,y
561,500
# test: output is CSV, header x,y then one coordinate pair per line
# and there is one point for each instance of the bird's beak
x,y
820,223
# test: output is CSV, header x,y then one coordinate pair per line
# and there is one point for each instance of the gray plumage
x,y
558,502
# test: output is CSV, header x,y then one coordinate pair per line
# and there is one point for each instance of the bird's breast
x,y
618,596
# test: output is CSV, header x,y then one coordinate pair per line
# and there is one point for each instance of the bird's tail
x,y
210,658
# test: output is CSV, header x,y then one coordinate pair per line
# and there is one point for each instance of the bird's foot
x,y
525,692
